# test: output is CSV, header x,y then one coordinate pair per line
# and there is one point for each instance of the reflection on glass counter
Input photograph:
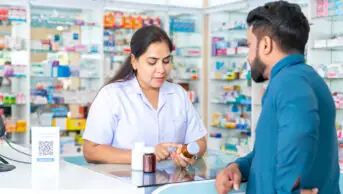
x,y
205,168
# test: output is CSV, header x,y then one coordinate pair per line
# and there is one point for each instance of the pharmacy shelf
x,y
187,59
333,18
64,79
59,51
243,131
14,87
329,48
226,24
325,57
232,30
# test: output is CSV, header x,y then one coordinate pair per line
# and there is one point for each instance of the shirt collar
x,y
135,88
287,61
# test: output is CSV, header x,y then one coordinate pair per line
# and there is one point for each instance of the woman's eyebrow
x,y
155,58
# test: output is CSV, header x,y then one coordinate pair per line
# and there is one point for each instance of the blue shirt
x,y
121,115
295,134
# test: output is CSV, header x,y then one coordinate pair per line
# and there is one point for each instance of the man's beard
x,y
257,70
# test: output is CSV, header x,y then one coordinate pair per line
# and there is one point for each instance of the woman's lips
x,y
159,79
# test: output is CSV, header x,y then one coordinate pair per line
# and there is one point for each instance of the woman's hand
x,y
180,162
161,150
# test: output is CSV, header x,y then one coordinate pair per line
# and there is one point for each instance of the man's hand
x,y
305,191
309,191
228,179
161,150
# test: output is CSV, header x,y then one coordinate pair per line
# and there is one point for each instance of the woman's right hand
x,y
161,150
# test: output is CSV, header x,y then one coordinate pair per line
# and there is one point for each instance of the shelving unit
x,y
185,30
65,69
325,52
229,84
14,59
325,48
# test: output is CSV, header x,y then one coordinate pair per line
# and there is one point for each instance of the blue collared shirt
x,y
121,115
295,134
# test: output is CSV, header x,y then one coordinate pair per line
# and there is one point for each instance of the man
x,y
296,144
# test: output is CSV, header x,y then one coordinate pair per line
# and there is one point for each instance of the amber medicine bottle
x,y
189,151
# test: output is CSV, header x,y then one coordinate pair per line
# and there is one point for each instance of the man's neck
x,y
276,59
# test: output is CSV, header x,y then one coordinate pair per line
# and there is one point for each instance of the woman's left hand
x,y
180,162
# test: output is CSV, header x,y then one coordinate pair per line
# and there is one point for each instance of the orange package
x,y
137,22
128,21
109,20
2,42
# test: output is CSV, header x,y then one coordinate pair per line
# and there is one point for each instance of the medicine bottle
x,y
189,151
149,160
137,156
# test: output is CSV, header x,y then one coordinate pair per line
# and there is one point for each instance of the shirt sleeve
x,y
195,127
298,125
244,164
101,120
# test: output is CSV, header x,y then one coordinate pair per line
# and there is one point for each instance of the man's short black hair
x,y
284,22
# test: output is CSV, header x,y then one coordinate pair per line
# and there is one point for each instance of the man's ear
x,y
267,44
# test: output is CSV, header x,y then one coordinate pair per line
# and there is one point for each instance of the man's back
x,y
324,171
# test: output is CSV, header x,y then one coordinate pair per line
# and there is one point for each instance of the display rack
x,y
229,84
185,30
14,59
66,69
325,52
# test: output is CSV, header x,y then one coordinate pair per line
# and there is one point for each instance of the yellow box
x,y
21,126
76,124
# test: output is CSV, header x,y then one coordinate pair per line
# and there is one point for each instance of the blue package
x,y
63,71
75,36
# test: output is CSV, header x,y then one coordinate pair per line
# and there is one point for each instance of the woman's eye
x,y
166,62
151,63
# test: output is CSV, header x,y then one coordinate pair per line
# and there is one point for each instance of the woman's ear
x,y
133,62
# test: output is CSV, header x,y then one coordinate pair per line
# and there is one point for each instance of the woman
x,y
139,105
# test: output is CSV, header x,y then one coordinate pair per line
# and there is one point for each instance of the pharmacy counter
x,y
79,176
70,177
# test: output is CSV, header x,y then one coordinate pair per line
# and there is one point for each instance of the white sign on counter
x,y
45,157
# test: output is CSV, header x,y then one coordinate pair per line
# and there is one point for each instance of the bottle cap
x,y
139,146
149,150
193,148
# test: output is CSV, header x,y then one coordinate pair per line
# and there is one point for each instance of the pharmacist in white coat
x,y
138,105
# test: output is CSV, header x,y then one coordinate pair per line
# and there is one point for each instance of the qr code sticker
x,y
46,148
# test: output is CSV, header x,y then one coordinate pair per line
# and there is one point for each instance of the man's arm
x,y
244,164
297,134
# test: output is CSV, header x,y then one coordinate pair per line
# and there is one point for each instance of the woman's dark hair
x,y
140,42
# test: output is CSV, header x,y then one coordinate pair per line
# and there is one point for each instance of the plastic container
x,y
189,151
137,156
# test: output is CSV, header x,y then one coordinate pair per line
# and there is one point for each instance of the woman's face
x,y
153,66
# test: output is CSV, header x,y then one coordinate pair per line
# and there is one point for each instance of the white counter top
x,y
70,177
